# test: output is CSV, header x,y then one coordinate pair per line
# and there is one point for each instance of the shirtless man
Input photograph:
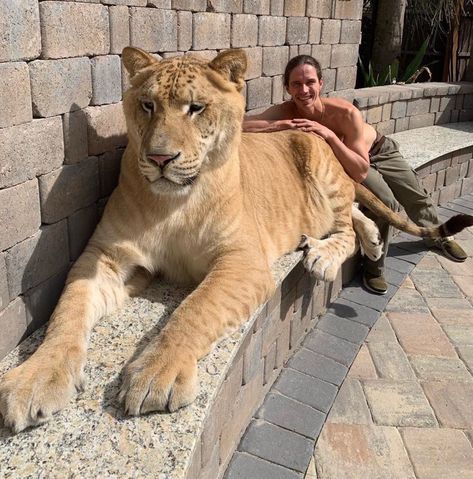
x,y
366,156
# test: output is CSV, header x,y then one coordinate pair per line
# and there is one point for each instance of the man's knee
x,y
383,193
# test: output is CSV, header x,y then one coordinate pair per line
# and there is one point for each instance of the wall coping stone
x,y
422,145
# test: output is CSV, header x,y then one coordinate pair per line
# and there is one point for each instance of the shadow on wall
x,y
72,199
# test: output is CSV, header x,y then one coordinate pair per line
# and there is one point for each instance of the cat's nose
x,y
162,160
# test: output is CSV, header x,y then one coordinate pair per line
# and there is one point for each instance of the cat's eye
x,y
148,106
196,108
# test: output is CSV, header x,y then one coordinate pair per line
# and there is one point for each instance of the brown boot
x,y
451,249
375,283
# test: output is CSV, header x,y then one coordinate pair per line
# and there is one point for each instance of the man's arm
x,y
275,118
351,152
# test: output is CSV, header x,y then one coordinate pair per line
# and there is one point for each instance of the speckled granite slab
x,y
92,438
422,145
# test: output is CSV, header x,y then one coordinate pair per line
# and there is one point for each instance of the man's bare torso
x,y
334,116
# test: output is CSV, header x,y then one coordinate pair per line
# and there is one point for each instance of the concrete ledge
x,y
442,157
425,145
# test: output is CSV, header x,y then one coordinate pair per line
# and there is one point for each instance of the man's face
x,y
304,86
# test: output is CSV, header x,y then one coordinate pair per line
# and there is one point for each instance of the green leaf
x,y
363,71
416,61
394,70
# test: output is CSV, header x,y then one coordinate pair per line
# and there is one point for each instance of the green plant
x,y
391,74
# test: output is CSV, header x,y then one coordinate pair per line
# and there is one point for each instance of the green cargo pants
x,y
392,180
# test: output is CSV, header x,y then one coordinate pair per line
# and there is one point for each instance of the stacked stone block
x,y
449,176
395,108
62,129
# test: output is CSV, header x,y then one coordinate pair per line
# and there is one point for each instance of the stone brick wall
x,y
395,108
62,130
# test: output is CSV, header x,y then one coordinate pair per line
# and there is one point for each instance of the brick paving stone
x,y
460,334
318,366
438,285
445,212
398,403
448,303
311,472
306,389
292,415
357,312
451,402
429,262
469,435
244,466
407,283
465,284
350,407
343,328
453,316
390,361
408,242
277,445
421,334
464,202
356,293
466,234
458,208
394,277
465,352
409,256
363,366
467,245
408,300
336,348
439,453
382,332
398,264
431,368
457,269
352,451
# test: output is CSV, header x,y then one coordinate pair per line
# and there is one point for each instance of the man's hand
x,y
312,127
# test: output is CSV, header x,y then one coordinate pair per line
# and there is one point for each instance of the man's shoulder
x,y
339,105
341,108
